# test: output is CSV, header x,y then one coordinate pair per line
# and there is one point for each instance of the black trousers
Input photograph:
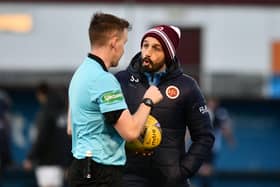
x,y
87,173
141,171
134,180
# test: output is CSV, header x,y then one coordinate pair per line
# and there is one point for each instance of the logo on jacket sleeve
x,y
172,92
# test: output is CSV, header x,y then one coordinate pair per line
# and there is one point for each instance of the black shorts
x,y
84,173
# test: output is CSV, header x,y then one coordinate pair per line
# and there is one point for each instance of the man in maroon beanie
x,y
183,107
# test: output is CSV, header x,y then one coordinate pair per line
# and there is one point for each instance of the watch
x,y
149,102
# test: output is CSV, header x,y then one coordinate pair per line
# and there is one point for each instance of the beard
x,y
149,66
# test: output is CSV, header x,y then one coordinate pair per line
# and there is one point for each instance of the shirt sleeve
x,y
113,117
110,97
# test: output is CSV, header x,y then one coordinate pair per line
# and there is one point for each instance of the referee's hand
x,y
154,94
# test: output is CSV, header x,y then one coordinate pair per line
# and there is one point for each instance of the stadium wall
x,y
236,40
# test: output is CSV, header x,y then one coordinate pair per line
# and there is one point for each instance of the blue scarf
x,y
154,78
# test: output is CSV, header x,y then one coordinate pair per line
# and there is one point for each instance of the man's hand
x,y
154,94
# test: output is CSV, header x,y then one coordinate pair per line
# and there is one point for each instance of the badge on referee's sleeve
x,y
111,97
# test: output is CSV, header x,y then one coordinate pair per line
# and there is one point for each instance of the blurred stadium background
x,y
232,48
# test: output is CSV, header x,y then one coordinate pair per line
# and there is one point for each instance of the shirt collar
x,y
99,60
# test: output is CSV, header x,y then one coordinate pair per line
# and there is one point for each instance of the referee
x,y
98,114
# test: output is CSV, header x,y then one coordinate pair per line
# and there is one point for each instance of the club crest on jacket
x,y
172,92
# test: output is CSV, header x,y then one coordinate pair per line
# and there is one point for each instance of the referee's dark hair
x,y
102,26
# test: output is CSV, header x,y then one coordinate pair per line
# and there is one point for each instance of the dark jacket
x,y
5,132
52,145
180,108
5,151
